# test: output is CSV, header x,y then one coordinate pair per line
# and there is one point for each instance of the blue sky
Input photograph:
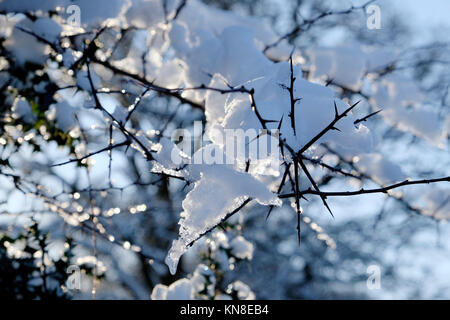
x,y
426,17
424,12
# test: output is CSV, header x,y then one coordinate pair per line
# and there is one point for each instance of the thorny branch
x,y
298,157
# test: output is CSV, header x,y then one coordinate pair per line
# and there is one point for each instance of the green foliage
x,y
32,82
26,276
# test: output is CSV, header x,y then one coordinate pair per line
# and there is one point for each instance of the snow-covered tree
x,y
153,130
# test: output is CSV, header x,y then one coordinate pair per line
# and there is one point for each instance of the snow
x,y
168,154
202,279
91,15
204,19
120,114
242,290
24,46
216,44
220,49
227,53
47,28
241,248
179,290
437,203
65,116
380,168
84,83
169,75
395,94
345,65
314,111
68,58
219,191
147,13
22,109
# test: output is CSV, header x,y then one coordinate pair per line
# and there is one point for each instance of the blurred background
x,y
398,240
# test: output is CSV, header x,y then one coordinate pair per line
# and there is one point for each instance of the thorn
x,y
262,133
297,198
279,124
367,117
326,205
315,186
268,213
356,103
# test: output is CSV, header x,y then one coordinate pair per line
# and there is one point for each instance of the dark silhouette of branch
x,y
331,126
120,125
229,215
308,23
293,100
280,187
331,168
108,148
150,85
366,191
367,117
314,184
297,199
